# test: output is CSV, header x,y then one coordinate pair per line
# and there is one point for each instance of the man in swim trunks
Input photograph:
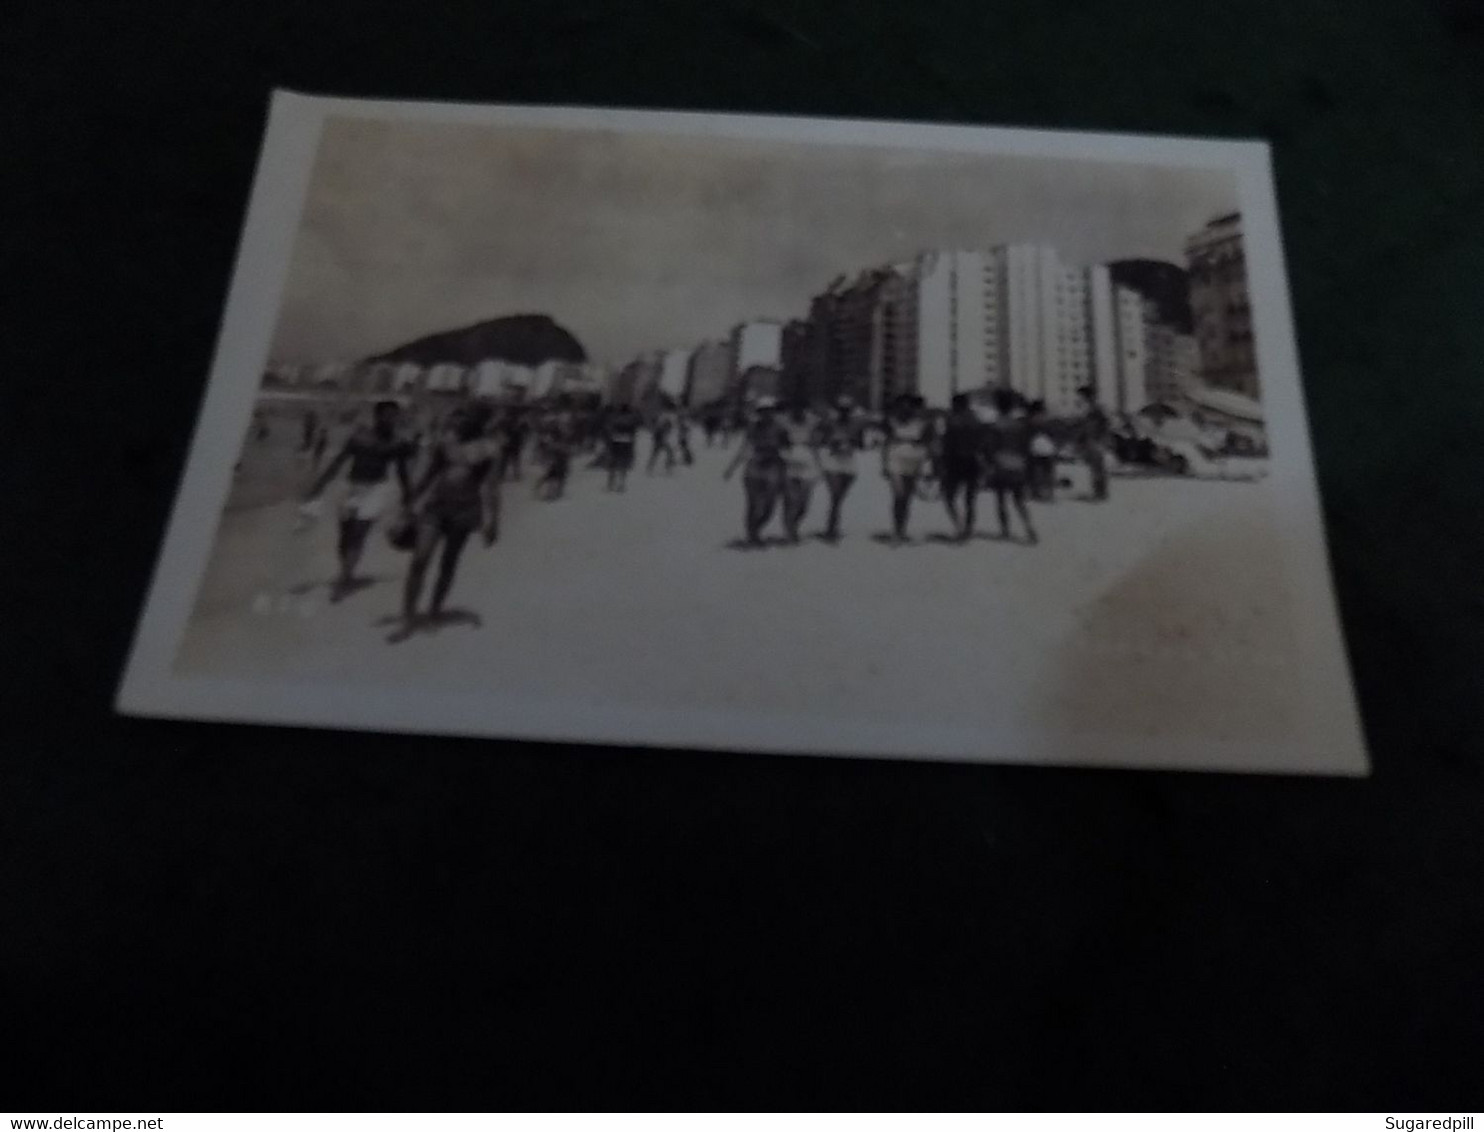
x,y
621,434
514,429
661,428
1092,442
960,461
457,495
558,441
372,454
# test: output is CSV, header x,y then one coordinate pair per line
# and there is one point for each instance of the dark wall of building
x,y
1166,284
1223,314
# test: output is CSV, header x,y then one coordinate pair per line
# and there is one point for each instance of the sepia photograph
x,y
757,434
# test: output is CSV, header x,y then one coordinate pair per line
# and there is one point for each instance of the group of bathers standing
x,y
782,454
1010,454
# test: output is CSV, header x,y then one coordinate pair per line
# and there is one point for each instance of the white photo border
x,y
1331,741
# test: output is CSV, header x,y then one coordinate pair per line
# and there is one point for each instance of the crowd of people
x,y
1008,451
441,478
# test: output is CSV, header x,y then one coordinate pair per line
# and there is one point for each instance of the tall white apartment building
x,y
674,374
1135,320
957,321
1016,316
756,343
710,373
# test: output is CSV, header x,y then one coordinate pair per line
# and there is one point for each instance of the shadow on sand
x,y
886,538
1014,540
427,624
338,592
769,543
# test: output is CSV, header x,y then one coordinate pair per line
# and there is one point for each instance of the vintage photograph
x,y
757,434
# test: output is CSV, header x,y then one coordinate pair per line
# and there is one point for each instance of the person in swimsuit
x,y
682,438
960,462
1043,454
661,429
514,430
558,440
622,430
835,444
1009,448
372,454
762,449
597,436
799,469
904,458
1093,441
458,494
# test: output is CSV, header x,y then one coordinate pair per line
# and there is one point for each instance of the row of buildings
x,y
965,321
489,378
943,322
747,362
969,321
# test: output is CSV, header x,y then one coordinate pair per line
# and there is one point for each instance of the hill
x,y
524,339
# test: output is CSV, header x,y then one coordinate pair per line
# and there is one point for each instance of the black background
x,y
236,917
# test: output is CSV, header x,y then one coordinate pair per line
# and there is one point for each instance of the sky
x,y
640,242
